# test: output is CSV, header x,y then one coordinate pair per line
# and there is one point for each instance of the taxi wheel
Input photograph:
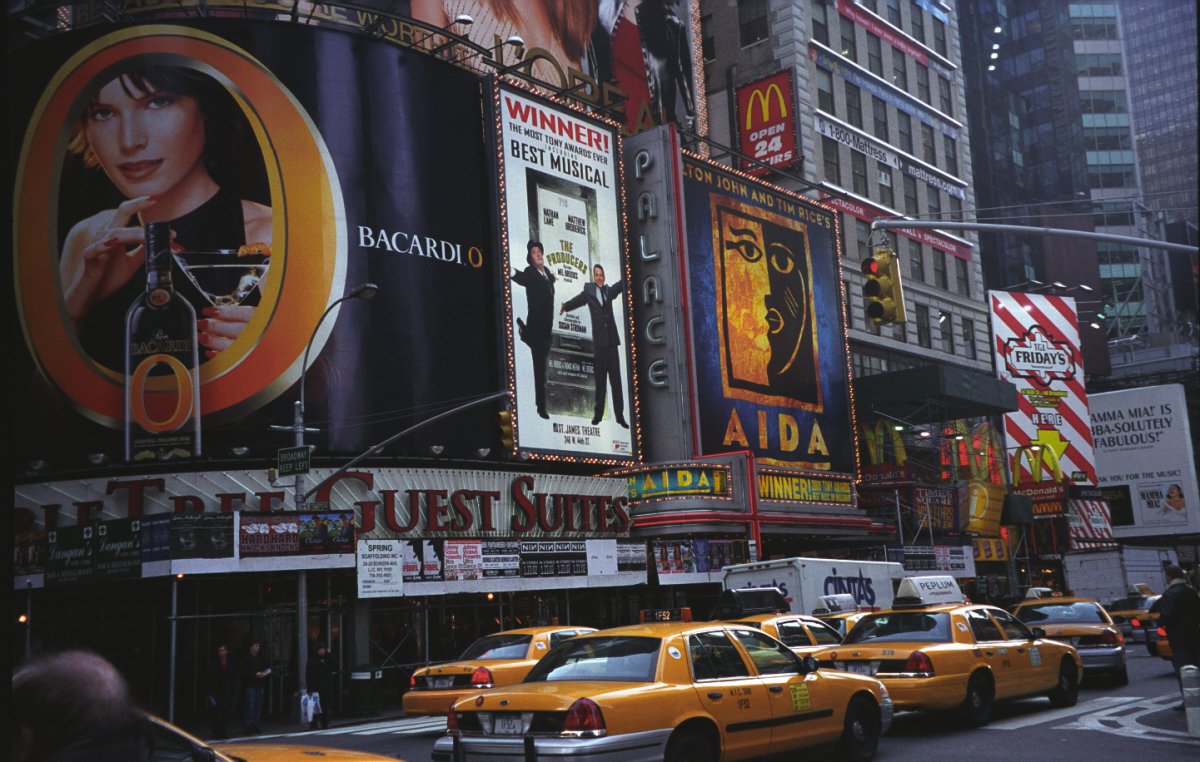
x,y
1066,691
689,747
860,738
977,708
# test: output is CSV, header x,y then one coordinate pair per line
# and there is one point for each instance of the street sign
x,y
293,460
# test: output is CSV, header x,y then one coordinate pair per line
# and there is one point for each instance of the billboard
x,y
1036,342
766,122
287,165
569,318
767,322
1145,450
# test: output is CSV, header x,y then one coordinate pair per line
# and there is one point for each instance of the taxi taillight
x,y
482,678
584,717
1135,622
919,663
1112,638
452,720
412,682
1162,632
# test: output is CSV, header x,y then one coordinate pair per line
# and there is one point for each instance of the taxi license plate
x,y
442,682
860,667
508,725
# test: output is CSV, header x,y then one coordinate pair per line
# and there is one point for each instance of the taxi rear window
x,y
499,647
920,626
1054,613
611,659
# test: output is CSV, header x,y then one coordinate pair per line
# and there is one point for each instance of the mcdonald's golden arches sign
x,y
766,123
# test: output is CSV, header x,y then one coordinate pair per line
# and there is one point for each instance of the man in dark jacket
x,y
535,331
222,690
319,678
253,671
606,341
1179,615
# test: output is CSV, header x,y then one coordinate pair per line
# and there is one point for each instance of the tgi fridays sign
x,y
1036,341
387,502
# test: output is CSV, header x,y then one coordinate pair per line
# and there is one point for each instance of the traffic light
x,y
506,429
884,292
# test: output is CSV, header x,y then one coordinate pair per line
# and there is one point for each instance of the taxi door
x,y
996,651
801,703
737,700
1037,671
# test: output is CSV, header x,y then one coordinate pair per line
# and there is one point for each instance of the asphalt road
x,y
1136,721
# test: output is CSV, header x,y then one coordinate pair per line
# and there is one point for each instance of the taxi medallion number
x,y
860,667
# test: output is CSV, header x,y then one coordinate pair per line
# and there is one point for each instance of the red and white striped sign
x,y
1036,341
1091,526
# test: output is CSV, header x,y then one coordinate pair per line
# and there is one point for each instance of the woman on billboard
x,y
169,139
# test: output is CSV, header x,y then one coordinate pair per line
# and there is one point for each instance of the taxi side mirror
x,y
1038,632
809,662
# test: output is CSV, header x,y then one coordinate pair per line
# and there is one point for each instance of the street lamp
x,y
366,291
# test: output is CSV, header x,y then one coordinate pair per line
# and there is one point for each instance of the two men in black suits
x,y
535,331
606,341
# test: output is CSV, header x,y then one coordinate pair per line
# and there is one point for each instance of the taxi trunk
x,y
906,671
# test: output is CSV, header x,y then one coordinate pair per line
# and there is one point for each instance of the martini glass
x,y
224,276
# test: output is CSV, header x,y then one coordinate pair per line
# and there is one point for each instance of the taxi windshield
x,y
499,647
921,626
1055,613
611,659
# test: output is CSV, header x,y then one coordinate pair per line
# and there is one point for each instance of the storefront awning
x,y
935,393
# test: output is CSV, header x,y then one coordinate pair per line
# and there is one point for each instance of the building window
x,y
862,236
854,105
879,111
858,172
825,91
924,336
939,37
946,323
708,45
752,21
940,278
935,200
870,5
886,196
950,149
918,22
962,275
849,49
910,196
820,23
899,70
904,123
923,83
944,97
916,261
968,338
893,12
955,208
875,55
833,167
928,149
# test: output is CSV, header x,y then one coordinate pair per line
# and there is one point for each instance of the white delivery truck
x,y
1107,575
804,581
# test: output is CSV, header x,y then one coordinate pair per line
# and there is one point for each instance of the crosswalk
x,y
406,726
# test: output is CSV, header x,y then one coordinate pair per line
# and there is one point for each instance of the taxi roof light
x,y
927,591
482,678
584,718
836,604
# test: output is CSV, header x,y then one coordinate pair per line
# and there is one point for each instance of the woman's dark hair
x,y
224,124
529,247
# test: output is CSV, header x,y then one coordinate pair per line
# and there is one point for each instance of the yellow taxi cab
x,y
502,658
840,611
1083,623
799,632
172,743
935,651
674,691
1129,611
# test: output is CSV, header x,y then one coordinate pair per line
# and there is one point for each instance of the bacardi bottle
x,y
162,363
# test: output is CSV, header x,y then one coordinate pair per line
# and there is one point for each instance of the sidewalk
x,y
280,726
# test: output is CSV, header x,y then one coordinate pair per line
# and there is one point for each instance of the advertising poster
x,y
380,571
1089,520
69,555
937,507
156,537
29,553
766,123
554,559
1146,454
290,534
202,535
767,322
569,311
1036,341
286,181
462,559
118,549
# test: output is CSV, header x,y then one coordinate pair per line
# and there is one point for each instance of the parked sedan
x,y
502,658
1083,623
675,691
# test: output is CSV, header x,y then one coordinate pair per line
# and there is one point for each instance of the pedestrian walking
x,y
319,677
253,671
222,691
1179,615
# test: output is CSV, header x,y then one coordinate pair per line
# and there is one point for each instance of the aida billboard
x,y
1036,341
291,164
767,322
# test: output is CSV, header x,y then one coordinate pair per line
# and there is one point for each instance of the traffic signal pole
x,y
1149,243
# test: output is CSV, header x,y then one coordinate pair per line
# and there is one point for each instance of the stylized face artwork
x,y
769,347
